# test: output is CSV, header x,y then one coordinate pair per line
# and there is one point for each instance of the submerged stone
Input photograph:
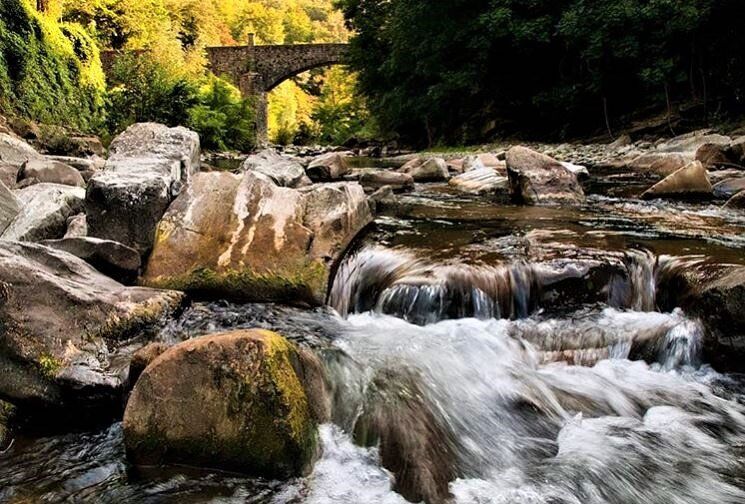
x,y
235,401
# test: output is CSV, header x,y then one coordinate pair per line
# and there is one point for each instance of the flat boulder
x,y
10,207
236,401
63,322
244,238
480,181
148,165
692,142
283,170
381,178
15,151
111,258
691,181
45,209
660,163
50,171
537,179
331,166
427,169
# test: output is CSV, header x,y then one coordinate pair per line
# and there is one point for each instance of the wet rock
x,y
663,164
427,170
380,178
413,442
244,238
331,166
737,150
480,181
729,187
77,226
111,258
10,207
714,156
49,171
691,142
536,179
736,202
45,209
234,401
142,358
720,304
148,165
15,151
61,322
382,195
691,181
284,171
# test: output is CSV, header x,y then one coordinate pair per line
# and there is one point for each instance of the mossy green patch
x,y
49,365
302,284
49,71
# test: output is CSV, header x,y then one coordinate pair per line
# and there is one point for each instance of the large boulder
x,y
235,401
427,169
381,178
691,181
720,304
15,151
660,163
45,209
148,165
480,181
331,166
537,179
10,207
50,171
284,171
714,156
9,174
692,142
77,226
244,238
111,258
86,166
62,323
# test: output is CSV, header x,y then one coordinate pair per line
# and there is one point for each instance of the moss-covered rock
x,y
61,323
237,401
245,238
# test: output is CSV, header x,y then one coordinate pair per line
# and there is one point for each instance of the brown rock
x,y
380,178
426,169
331,166
62,321
691,181
663,164
52,172
537,179
111,258
142,358
234,401
736,202
714,156
245,238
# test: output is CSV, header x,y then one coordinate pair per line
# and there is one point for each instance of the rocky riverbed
x,y
524,323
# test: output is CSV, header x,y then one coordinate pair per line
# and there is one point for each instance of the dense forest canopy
x,y
460,70
50,49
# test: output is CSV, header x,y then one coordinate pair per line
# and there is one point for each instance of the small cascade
x,y
397,282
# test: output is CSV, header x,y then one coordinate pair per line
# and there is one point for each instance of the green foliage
x,y
142,90
49,71
223,119
456,71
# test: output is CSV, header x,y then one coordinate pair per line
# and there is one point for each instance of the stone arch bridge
x,y
257,69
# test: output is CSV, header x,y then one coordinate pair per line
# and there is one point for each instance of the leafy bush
x,y
144,90
222,118
49,71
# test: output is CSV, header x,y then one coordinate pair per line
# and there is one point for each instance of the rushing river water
x,y
465,356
